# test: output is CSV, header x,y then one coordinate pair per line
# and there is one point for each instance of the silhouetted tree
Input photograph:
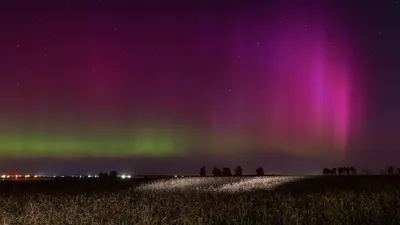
x,y
260,171
226,171
101,175
114,175
203,171
216,172
238,171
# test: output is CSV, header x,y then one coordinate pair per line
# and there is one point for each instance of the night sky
x,y
170,86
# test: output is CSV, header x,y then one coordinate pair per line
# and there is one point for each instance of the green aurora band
x,y
145,142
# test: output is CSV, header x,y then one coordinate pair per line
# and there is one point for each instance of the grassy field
x,y
234,200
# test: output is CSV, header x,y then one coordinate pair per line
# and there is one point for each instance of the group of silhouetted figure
x,y
340,171
226,171
352,171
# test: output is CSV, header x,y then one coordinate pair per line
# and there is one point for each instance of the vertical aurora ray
x,y
308,99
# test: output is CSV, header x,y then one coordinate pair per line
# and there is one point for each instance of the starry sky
x,y
166,87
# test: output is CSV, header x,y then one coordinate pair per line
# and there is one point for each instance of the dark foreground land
x,y
234,200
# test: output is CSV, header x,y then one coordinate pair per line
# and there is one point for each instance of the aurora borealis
x,y
147,79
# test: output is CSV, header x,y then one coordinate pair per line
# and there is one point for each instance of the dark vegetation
x,y
344,197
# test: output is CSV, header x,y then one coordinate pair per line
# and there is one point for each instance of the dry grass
x,y
182,203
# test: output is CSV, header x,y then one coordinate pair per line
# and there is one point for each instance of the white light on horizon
x,y
220,184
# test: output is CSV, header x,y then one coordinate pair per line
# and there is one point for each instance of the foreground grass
x,y
195,207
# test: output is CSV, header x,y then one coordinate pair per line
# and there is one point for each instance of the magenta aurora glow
x,y
217,83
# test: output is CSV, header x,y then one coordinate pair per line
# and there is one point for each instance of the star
x,y
18,46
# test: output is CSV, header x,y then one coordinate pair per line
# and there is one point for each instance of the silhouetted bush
x,y
226,171
114,175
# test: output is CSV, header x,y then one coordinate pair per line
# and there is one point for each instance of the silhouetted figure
x,y
114,175
390,170
327,171
216,172
105,175
101,176
238,171
398,170
203,171
353,171
334,171
347,169
260,171
226,171
340,170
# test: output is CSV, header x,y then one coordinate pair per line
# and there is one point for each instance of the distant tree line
x,y
226,171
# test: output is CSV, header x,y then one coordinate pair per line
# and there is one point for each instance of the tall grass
x,y
190,206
